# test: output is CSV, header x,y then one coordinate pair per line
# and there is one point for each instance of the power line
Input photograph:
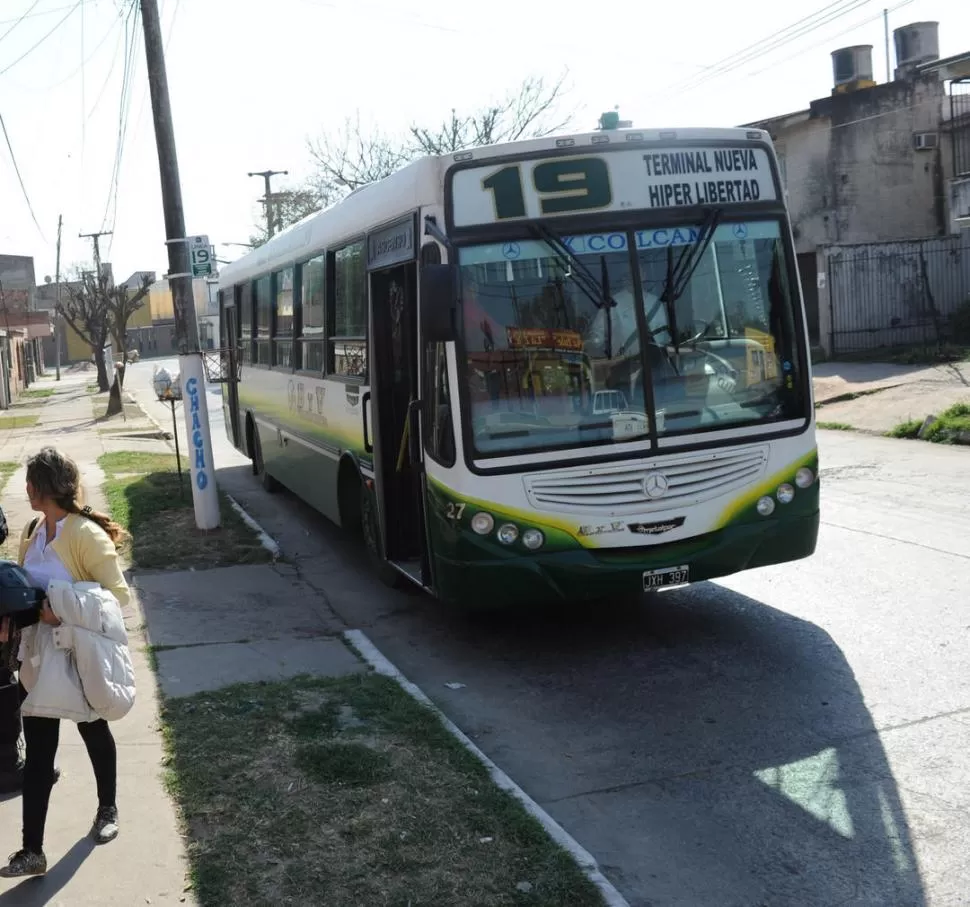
x,y
17,21
85,62
114,59
20,179
824,16
38,14
33,47
830,38
124,107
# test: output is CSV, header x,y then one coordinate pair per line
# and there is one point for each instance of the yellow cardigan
x,y
87,552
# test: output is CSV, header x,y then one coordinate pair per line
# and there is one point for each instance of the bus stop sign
x,y
201,254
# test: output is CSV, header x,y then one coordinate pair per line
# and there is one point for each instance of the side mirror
x,y
438,302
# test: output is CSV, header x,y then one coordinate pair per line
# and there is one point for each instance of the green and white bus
x,y
559,369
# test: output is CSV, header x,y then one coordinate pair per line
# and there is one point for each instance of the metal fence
x,y
896,293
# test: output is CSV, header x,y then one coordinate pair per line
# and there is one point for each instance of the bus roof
x,y
420,183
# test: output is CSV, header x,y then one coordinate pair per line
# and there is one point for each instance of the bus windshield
x,y
554,353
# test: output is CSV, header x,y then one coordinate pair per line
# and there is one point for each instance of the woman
x,y
67,544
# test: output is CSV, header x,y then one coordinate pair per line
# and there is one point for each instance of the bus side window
x,y
440,436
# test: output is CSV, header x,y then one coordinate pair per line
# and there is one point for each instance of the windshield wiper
x,y
597,292
679,275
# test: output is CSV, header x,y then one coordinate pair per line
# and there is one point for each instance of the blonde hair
x,y
55,476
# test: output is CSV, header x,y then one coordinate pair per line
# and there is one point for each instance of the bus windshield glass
x,y
578,339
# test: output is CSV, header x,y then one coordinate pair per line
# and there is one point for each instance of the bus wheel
x,y
269,484
372,540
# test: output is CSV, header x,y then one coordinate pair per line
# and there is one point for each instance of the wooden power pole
x,y
205,496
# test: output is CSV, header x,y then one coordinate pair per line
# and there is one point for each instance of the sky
x,y
251,82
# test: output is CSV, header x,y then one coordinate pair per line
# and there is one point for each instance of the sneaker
x,y
105,826
24,863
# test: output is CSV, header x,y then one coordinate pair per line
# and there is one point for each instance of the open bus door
x,y
230,342
395,405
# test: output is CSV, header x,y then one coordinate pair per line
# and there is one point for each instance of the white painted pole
x,y
205,494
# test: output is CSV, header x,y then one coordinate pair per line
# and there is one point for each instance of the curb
x,y
372,655
265,539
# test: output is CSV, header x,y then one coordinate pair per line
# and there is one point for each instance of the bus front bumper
x,y
604,573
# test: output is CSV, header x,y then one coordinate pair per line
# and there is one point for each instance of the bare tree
x,y
122,303
84,307
354,157
95,310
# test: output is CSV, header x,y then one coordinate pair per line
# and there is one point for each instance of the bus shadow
x,y
714,750
708,749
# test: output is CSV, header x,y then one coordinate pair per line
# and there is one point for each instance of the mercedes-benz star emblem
x,y
655,484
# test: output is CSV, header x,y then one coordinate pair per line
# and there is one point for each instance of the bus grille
x,y
660,485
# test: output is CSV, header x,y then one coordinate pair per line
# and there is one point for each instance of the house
x,y
877,162
25,326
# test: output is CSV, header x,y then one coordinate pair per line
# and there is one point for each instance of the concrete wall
x,y
852,172
891,294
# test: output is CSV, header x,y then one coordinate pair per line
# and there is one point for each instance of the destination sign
x,y
625,180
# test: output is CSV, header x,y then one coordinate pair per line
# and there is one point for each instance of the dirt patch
x,y
285,803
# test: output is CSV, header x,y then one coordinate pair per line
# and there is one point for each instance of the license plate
x,y
667,576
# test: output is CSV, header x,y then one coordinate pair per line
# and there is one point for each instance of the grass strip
x,y
346,791
146,497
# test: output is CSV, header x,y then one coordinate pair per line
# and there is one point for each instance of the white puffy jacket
x,y
82,669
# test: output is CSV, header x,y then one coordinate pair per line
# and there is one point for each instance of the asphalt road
x,y
796,735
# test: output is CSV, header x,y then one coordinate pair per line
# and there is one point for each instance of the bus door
x,y
394,389
230,343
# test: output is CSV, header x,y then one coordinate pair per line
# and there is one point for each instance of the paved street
x,y
790,736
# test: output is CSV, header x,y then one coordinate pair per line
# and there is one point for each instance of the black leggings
x,y
41,735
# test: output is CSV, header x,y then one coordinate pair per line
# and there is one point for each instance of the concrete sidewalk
x,y
253,623
876,397
146,864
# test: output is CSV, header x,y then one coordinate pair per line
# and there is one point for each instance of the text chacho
x,y
720,176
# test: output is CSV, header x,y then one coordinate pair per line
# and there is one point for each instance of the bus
x,y
553,370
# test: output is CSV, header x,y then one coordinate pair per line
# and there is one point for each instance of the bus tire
x,y
270,485
372,540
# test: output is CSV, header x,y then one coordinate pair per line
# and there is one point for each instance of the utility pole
x,y
57,300
205,496
267,175
94,237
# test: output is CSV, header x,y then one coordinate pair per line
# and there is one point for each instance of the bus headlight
x,y
533,539
482,523
507,533
804,477
785,494
766,506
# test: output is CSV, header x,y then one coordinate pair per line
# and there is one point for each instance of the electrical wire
x,y
20,179
114,59
830,38
90,57
31,15
33,47
820,18
124,108
17,21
